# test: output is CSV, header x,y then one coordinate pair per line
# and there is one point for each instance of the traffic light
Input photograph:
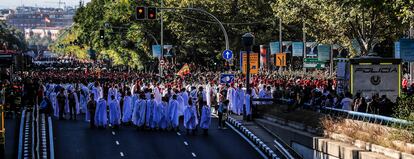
x,y
101,34
140,13
152,13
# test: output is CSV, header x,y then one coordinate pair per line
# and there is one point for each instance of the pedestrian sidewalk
x,y
264,140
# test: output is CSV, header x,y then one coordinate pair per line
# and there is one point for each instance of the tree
x,y
200,39
11,37
344,21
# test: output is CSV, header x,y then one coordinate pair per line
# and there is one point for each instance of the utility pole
x,y
411,36
162,38
280,40
304,46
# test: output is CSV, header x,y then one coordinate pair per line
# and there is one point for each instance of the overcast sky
x,y
39,3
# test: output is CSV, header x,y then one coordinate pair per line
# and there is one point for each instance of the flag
x,y
47,20
184,70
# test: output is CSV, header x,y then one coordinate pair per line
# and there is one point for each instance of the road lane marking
x,y
194,155
185,143
117,142
113,133
178,133
122,154
248,141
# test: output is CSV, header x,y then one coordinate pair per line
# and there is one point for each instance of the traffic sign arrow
x,y
227,54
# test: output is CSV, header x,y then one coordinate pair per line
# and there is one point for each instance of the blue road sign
x,y
226,78
227,54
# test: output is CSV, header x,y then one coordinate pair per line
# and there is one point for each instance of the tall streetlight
x,y
248,42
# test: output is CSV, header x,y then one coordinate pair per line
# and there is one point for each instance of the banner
x,y
324,52
297,48
156,51
254,63
168,50
311,49
263,56
274,48
404,49
287,47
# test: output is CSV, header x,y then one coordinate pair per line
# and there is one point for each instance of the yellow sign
x,y
281,59
254,63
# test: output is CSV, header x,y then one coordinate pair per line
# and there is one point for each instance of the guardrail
x,y
51,144
367,117
35,136
373,118
283,147
20,150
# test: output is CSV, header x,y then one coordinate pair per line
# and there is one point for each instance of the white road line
x,y
248,141
117,142
185,143
178,133
194,155
122,154
113,133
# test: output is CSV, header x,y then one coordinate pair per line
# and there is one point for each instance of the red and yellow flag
x,y
185,70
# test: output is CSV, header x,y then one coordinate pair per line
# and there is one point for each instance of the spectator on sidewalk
x,y
346,103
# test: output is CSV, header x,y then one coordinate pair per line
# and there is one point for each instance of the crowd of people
x,y
149,101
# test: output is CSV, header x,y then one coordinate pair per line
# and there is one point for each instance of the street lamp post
x,y
248,42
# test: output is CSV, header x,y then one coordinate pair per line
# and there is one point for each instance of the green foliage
x,y
13,38
198,38
405,110
342,21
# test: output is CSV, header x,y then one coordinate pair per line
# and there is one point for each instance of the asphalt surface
x,y
12,137
75,140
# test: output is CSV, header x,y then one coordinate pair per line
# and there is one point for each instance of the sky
x,y
39,3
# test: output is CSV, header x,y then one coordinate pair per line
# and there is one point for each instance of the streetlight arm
x,y
211,15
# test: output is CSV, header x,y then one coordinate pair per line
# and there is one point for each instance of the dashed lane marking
x,y
113,133
194,155
117,142
185,143
178,133
122,154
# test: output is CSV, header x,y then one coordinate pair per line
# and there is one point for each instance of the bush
x,y
404,109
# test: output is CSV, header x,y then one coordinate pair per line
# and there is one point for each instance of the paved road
x,y
12,134
74,140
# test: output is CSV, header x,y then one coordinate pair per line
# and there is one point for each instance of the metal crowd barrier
x,y
35,136
22,120
366,117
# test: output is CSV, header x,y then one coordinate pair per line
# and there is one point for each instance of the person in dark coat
x,y
92,108
61,100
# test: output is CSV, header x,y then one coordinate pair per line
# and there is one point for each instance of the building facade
x,y
52,32
33,17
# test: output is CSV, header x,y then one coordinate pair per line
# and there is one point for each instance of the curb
x,y
252,137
